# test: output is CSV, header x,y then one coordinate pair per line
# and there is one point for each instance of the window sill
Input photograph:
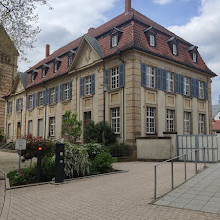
x,y
40,107
52,104
153,134
151,89
166,132
114,90
66,101
87,96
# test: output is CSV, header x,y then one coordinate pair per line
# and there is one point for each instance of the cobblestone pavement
x,y
123,196
200,193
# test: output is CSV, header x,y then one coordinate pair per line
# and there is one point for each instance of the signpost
x,y
20,145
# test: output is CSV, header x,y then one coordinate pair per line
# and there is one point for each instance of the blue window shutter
x,y
36,99
70,90
177,89
106,78
47,96
44,97
81,87
27,102
143,75
122,75
61,93
197,88
164,79
206,91
56,93
11,107
93,84
159,79
16,105
192,87
181,83
21,103
7,107
33,100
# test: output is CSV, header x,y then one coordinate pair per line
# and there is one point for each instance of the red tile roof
x,y
133,25
216,125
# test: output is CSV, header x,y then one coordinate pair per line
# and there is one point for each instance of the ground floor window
x,y
40,127
115,120
52,127
9,130
170,120
30,127
201,124
150,120
187,122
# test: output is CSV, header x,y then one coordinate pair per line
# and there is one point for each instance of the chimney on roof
x,y
127,6
47,50
90,29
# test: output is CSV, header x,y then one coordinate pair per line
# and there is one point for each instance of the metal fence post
x,y
172,174
195,161
155,182
185,166
204,158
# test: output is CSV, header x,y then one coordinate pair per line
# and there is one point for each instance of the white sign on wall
x,y
20,144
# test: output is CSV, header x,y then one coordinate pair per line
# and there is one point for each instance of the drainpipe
x,y
45,116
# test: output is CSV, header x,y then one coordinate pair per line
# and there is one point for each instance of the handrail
x,y
172,174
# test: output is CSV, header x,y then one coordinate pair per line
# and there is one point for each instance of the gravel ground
x,y
9,161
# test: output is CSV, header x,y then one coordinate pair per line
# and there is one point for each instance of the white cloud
x,y
162,2
67,21
204,32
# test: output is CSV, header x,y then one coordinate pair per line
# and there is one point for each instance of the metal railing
x,y
185,171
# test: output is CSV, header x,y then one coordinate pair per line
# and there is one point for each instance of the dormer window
x,y
152,40
175,49
114,40
45,68
194,58
43,73
70,57
115,36
34,75
56,64
150,34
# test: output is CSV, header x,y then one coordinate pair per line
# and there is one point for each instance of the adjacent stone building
x,y
141,78
8,70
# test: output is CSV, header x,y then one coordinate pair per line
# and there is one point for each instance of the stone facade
x,y
8,70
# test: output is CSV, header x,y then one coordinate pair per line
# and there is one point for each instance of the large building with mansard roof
x,y
143,79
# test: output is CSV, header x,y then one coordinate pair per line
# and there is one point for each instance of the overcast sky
x,y
197,21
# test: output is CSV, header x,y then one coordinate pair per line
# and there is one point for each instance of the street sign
x,y
20,144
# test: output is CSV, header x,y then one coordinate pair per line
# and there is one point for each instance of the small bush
x,y
94,133
1,135
17,177
94,149
120,150
103,163
76,161
47,168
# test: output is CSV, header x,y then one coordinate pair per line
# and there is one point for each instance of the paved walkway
x,y
200,193
124,196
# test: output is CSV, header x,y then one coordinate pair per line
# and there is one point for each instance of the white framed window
x,y
66,90
30,127
187,86
150,77
31,101
9,130
115,120
40,127
40,98
88,85
70,60
20,107
10,107
201,124
194,58
52,95
32,77
55,67
115,78
52,126
170,82
175,49
201,90
114,40
187,122
170,120
150,120
43,72
152,40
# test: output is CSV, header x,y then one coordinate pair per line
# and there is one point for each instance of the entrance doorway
x,y
19,130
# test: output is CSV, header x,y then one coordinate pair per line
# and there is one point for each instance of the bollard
x,y
59,163
155,182
195,161
39,157
204,158
185,166
172,174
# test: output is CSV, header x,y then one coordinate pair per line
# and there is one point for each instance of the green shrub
x,y
94,133
94,149
47,168
17,177
30,174
102,163
120,150
1,135
76,161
